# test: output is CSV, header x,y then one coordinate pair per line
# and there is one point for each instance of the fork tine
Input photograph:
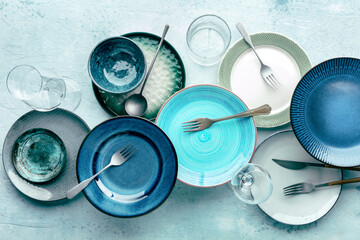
x,y
293,193
191,121
276,82
269,81
126,152
292,186
192,129
292,190
129,152
124,149
191,124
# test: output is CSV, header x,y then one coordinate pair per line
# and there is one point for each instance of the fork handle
x,y
340,182
247,38
81,186
263,110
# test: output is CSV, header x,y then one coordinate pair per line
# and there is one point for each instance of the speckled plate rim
x,y
102,42
150,35
296,130
7,159
264,39
172,183
235,96
278,220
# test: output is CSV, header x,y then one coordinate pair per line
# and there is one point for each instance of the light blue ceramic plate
x,y
325,112
139,185
210,157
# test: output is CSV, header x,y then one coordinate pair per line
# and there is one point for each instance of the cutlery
x,y
203,123
299,165
304,187
265,71
136,104
117,159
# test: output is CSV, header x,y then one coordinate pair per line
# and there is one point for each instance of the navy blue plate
x,y
325,112
139,185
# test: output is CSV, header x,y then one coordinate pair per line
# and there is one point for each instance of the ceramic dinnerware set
x,y
202,135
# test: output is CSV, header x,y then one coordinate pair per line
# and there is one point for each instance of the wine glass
x,y
43,91
252,184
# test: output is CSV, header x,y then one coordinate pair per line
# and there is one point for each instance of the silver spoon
x,y
136,104
117,159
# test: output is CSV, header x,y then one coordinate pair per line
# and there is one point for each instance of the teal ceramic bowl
x,y
210,157
117,65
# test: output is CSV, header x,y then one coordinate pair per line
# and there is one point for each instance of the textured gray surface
x,y
60,35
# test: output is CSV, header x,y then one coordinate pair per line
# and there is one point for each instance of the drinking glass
x,y
252,184
43,92
208,37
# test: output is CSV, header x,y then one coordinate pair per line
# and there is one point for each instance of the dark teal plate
x,y
39,155
166,78
139,185
325,112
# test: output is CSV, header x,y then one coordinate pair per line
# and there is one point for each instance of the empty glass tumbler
x,y
208,37
42,92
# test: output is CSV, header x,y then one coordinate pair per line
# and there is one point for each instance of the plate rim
x,y
32,183
218,86
283,222
172,184
261,120
291,106
129,35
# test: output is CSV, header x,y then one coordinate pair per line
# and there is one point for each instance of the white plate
x,y
296,209
239,72
247,82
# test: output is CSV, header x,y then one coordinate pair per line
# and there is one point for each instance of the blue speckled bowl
x,y
117,65
325,112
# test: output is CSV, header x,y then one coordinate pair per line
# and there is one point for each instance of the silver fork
x,y
304,187
117,159
203,123
265,71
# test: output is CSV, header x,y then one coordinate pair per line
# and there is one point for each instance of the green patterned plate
x,y
240,72
166,78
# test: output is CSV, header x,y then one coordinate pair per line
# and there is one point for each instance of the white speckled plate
x,y
166,78
297,209
240,72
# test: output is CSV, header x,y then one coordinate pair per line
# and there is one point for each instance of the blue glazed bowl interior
x,y
117,65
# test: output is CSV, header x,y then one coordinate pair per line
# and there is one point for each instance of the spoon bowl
x,y
136,105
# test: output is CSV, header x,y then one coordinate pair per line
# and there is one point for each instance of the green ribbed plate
x,y
263,40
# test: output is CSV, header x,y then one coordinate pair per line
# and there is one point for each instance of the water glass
x,y
42,92
208,37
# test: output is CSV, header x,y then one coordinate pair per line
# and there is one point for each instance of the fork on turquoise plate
x,y
203,123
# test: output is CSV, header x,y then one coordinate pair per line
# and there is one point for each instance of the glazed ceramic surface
x,y
166,78
39,155
210,157
117,65
70,129
325,112
139,185
297,209
240,72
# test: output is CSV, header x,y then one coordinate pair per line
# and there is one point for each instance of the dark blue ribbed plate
x,y
325,112
139,185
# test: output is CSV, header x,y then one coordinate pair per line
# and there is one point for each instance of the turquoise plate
x,y
210,157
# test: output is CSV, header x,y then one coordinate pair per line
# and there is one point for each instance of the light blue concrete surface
x,y
60,35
